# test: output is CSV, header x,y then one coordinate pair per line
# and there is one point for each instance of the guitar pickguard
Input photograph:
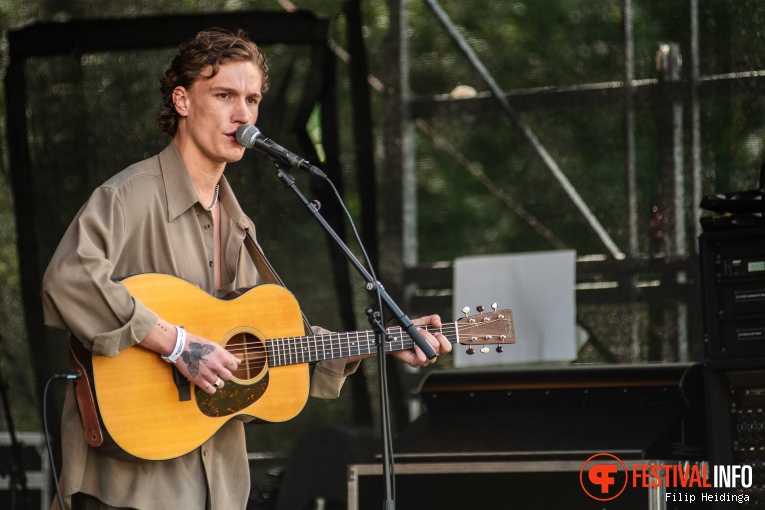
x,y
230,399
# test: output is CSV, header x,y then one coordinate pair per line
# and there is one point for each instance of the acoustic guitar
x,y
150,416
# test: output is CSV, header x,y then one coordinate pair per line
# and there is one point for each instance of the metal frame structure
x,y
616,277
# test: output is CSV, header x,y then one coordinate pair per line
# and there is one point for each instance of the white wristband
x,y
180,344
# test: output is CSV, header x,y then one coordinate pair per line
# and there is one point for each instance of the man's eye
x,y
223,95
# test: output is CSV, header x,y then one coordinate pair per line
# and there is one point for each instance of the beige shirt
x,y
148,219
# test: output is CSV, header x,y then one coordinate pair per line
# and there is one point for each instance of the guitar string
x,y
328,341
298,344
365,335
290,351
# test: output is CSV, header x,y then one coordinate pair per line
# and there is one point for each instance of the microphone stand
x,y
372,285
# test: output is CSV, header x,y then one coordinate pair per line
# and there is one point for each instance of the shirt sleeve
x,y
78,293
329,375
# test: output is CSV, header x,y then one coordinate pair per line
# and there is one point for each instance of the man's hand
x,y
201,362
204,362
415,357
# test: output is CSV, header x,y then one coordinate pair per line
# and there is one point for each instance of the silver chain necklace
x,y
215,198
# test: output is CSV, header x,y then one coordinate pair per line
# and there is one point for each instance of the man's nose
x,y
242,113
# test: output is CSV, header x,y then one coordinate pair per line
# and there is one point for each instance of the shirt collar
x,y
179,190
180,193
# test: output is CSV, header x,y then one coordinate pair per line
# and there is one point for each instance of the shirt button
x,y
211,263
207,227
204,453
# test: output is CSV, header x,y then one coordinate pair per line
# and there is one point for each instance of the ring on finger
x,y
218,382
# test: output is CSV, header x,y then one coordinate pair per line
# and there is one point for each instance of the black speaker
x,y
733,292
733,295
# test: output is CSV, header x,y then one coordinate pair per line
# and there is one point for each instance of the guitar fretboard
x,y
310,349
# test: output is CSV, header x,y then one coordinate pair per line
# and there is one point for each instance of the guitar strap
x,y
266,270
81,363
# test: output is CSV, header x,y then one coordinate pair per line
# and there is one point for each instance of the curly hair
x,y
209,48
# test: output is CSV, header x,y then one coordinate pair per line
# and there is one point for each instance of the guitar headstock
x,y
495,328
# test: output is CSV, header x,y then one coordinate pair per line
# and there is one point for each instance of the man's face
x,y
212,110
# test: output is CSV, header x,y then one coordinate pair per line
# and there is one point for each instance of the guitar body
x,y
139,401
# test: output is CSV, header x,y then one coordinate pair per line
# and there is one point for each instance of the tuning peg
x,y
470,351
500,348
479,308
494,306
466,310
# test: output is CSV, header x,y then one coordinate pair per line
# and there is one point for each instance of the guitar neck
x,y
310,349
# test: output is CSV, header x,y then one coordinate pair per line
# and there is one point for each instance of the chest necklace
x,y
215,198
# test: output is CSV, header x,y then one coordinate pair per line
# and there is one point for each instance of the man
x,y
174,214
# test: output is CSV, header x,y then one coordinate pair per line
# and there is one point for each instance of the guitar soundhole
x,y
252,351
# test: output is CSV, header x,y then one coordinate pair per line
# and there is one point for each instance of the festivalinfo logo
x,y
604,477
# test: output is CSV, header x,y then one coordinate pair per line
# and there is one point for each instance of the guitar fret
x,y
325,346
275,350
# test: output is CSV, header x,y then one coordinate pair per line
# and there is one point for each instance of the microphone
x,y
250,137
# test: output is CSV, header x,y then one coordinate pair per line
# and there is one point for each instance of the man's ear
x,y
181,100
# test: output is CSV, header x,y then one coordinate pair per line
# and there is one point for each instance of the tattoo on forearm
x,y
194,355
